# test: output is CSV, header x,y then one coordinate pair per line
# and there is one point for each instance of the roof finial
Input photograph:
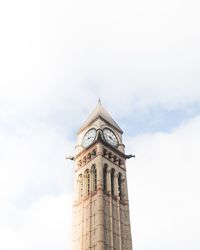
x,y
99,101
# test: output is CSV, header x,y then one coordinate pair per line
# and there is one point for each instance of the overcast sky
x,y
56,59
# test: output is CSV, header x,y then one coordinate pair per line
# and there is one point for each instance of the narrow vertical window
x,y
104,178
104,152
120,185
87,182
112,181
94,178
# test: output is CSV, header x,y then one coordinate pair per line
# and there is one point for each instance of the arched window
x,y
87,182
112,181
104,178
80,186
84,159
94,178
120,185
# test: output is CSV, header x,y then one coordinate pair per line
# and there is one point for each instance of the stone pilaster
x,y
116,189
100,203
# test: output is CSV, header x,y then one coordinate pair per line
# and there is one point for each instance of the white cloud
x,y
36,186
46,224
32,159
164,188
56,59
56,54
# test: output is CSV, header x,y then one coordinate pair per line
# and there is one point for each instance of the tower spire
x,y
99,101
101,113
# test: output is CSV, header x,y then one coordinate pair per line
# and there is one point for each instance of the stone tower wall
x,y
101,215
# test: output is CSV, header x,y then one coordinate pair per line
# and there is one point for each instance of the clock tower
x,y
101,208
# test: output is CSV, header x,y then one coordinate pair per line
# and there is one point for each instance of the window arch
x,y
80,186
105,177
94,178
87,182
112,181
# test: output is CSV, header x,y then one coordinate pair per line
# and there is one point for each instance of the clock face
x,y
110,137
89,137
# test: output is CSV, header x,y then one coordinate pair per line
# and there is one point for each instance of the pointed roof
x,y
100,112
